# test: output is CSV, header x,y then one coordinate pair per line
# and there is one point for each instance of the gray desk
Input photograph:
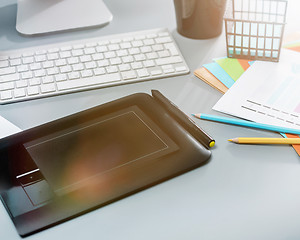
x,y
244,192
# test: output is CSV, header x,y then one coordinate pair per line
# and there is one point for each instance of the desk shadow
x,y
8,15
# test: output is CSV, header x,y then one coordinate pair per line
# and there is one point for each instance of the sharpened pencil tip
x,y
196,115
230,140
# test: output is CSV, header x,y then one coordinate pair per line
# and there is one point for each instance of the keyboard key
x,y
125,45
156,72
158,47
113,47
73,60
19,92
115,61
152,55
34,81
47,88
39,73
163,54
103,63
7,86
52,56
26,75
169,70
149,42
85,58
89,81
61,62
15,62
97,56
22,68
21,83
73,75
171,47
99,71
180,69
65,54
8,70
5,95
33,90
136,65
89,50
127,59
86,73
163,40
128,75
101,49
90,65
143,73
146,49
35,66
47,79
48,64
61,77
139,57
10,77
52,71
110,54
112,69
78,67
40,58
77,52
122,53
149,63
65,69
124,67
134,51
168,60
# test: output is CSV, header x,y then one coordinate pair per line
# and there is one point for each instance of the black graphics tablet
x,y
65,168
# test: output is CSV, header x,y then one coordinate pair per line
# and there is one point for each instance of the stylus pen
x,y
245,123
184,120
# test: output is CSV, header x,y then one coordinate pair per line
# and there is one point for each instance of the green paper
x,y
231,66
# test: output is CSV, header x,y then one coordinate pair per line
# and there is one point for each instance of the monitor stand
x,y
48,16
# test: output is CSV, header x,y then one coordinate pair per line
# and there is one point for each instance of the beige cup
x,y
199,19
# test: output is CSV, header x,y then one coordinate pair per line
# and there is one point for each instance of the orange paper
x,y
295,146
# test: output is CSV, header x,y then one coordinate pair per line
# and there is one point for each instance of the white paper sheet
x,y
7,128
267,93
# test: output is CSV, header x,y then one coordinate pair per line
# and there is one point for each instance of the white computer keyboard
x,y
45,71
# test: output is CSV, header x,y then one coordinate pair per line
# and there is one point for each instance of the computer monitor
x,y
48,16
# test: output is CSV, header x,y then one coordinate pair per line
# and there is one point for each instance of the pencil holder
x,y
254,28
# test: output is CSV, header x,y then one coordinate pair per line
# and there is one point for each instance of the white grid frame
x,y
254,29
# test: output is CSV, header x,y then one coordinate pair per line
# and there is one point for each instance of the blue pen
x,y
245,123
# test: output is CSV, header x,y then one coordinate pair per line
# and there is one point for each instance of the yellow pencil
x,y
243,140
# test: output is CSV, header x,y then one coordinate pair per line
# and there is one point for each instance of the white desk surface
x,y
244,192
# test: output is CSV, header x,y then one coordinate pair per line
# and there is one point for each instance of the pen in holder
x,y
254,28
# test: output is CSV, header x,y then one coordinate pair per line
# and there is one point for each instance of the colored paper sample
x,y
210,79
231,66
220,73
